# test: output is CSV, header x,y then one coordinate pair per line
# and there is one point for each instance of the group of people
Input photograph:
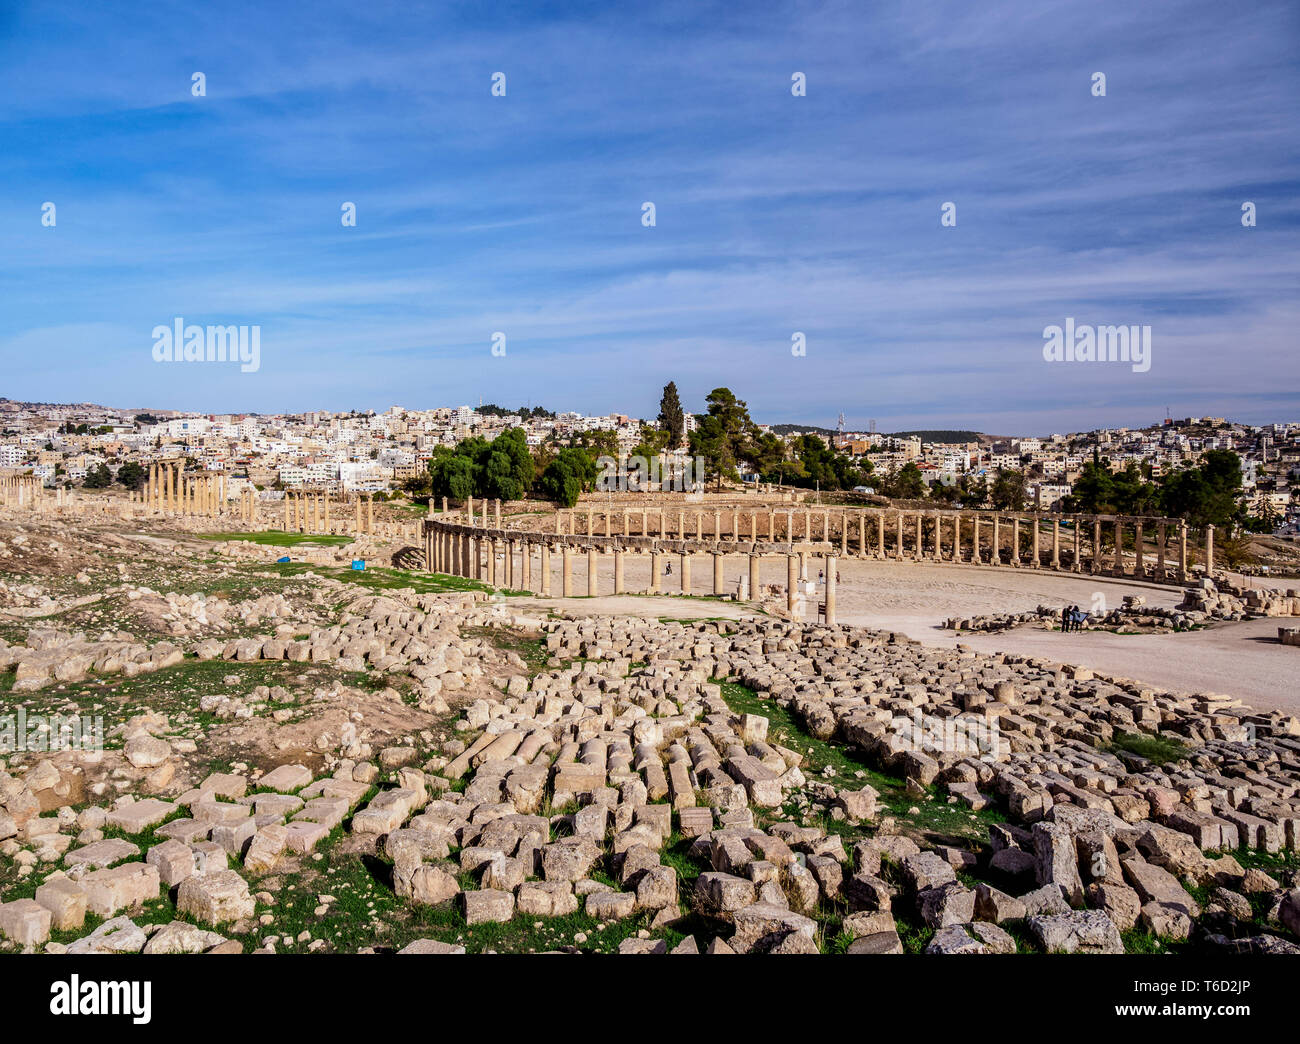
x,y
1072,618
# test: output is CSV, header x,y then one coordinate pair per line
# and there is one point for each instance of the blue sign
x,y
284,559
358,563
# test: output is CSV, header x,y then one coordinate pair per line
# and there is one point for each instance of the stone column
x,y
1015,541
975,541
608,519
831,566
287,525
618,571
880,535
566,557
1056,543
686,572
627,522
1096,545
754,565
995,559
526,564
546,569
717,525
1209,550
497,504
559,522
844,533
862,534
791,582
1119,545
593,572
1139,569
920,553
718,580
590,521
938,537
898,552
491,561
1160,551
508,546
699,525
1078,546
370,514
656,586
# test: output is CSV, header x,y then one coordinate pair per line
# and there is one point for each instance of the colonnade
x,y
1149,547
21,491
171,491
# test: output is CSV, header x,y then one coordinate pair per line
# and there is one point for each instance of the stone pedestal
x,y
831,568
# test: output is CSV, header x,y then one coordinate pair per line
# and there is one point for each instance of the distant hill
x,y
942,435
803,429
935,435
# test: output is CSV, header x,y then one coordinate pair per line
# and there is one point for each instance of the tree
x,y
564,479
1093,491
1205,495
501,469
451,475
508,469
671,418
907,483
1008,493
723,435
598,443
816,464
98,477
132,475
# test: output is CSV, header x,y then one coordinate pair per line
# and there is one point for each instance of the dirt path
x,y
1242,660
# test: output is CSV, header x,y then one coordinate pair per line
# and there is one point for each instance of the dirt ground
x,y
1237,659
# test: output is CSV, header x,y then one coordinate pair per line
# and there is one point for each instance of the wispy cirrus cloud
x,y
775,214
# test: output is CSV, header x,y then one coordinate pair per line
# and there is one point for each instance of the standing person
x,y
1065,619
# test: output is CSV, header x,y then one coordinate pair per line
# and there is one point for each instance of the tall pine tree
x,y
671,417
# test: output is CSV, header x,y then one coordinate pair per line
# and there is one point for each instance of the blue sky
x,y
775,213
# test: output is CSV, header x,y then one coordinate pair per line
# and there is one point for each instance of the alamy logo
x,y
74,997
639,475
41,733
193,343
1130,344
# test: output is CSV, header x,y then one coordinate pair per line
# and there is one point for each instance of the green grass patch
x,y
1159,750
280,538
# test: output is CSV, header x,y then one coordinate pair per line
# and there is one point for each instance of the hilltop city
x,y
386,452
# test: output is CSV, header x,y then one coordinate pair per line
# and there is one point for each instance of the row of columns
x,y
21,491
506,562
976,538
171,491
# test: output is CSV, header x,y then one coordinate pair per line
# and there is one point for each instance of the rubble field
x,y
300,757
